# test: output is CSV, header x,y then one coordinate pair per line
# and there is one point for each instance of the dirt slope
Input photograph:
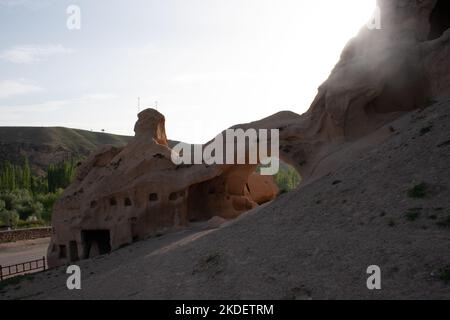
x,y
313,243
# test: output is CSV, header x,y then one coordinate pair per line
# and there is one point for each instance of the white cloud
x,y
30,53
187,78
96,111
12,3
31,4
9,88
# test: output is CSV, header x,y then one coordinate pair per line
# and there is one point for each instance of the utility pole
x,y
156,105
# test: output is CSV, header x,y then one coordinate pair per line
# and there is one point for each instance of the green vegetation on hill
x,y
26,200
51,145
60,137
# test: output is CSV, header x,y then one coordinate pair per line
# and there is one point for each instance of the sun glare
x,y
294,46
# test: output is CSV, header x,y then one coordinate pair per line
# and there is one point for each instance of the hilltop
x,y
50,145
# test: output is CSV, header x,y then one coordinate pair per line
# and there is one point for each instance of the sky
x,y
205,64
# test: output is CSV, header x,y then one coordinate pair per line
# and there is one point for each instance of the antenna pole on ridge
x,y
139,104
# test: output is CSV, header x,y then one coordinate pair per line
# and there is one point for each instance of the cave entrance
x,y
439,19
73,251
207,199
198,203
95,242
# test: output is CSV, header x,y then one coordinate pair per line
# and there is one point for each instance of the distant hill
x,y
50,145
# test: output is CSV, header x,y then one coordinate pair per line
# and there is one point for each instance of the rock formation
x,y
382,74
121,195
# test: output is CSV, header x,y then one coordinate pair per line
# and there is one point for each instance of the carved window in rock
x,y
153,197
127,202
112,202
173,196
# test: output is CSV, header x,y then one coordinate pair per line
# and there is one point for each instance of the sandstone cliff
x,y
122,195
349,131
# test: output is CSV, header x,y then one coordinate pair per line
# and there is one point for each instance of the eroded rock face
x,y
121,195
381,75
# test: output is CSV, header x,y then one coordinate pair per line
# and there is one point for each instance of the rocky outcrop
x,y
125,194
121,195
382,74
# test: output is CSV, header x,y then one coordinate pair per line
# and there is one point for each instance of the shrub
x,y
444,274
413,214
418,191
9,218
391,223
287,179
444,223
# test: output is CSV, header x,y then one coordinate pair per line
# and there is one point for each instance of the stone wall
x,y
25,234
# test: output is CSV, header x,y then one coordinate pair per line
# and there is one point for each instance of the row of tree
x,y
27,199
17,177
60,175
14,177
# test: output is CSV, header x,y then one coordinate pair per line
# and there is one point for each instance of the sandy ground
x,y
313,243
22,251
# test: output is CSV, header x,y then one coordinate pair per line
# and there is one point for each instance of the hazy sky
x,y
210,64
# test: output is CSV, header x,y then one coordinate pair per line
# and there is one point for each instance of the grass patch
x,y
210,264
14,281
425,130
444,274
444,144
419,191
391,223
444,223
413,214
212,258
429,102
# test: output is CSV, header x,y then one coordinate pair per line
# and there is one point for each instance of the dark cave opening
x,y
73,250
95,242
439,19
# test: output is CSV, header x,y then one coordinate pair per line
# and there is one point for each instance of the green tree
x,y
287,179
26,176
60,175
9,218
